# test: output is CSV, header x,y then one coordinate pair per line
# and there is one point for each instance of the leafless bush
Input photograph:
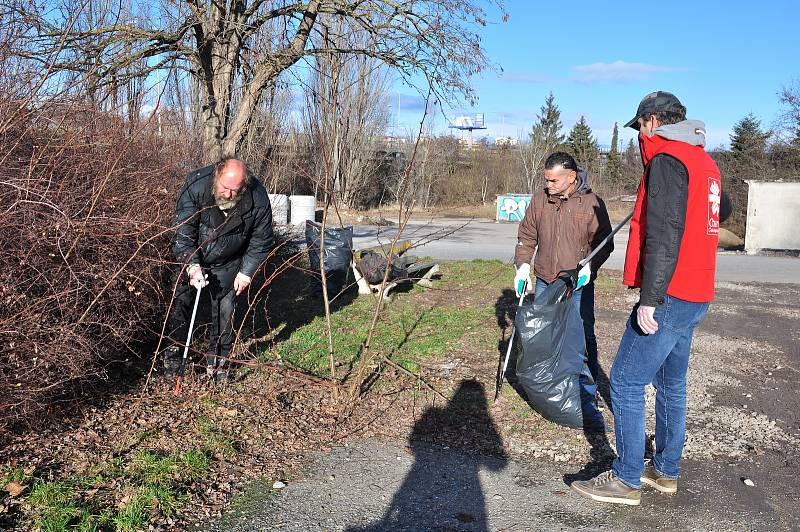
x,y
85,212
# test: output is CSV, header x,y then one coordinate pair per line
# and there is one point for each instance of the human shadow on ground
x,y
600,451
450,445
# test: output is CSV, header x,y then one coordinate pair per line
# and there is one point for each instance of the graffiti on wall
x,y
512,207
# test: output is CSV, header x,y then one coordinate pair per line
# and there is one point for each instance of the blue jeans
x,y
661,359
583,300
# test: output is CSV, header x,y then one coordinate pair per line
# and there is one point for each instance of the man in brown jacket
x,y
562,225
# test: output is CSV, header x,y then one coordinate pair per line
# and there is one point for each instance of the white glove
x,y
523,276
584,276
196,276
241,283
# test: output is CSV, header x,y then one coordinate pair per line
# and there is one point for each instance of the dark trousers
x,y
222,298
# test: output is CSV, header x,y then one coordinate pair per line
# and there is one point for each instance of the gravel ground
x,y
743,424
373,486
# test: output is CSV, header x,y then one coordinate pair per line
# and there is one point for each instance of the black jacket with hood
x,y
206,236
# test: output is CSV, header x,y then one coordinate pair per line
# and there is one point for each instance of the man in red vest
x,y
671,258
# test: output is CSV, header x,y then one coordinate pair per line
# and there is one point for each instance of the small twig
x,y
414,375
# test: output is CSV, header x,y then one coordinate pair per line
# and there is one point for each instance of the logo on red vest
x,y
714,195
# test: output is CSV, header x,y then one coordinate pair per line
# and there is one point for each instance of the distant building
x,y
506,141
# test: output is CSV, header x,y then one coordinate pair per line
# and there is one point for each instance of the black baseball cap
x,y
656,102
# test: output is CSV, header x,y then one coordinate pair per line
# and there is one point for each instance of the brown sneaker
x,y
606,487
654,480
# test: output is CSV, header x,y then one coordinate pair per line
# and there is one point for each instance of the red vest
x,y
693,279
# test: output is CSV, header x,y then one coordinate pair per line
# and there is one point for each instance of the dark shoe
x,y
222,376
607,487
663,484
172,359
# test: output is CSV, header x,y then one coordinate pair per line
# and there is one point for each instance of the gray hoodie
x,y
689,131
582,182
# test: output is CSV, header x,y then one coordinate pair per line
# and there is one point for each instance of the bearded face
x,y
226,203
229,185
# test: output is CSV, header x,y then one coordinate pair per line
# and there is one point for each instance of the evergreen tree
x,y
545,137
749,144
612,174
583,146
547,129
631,170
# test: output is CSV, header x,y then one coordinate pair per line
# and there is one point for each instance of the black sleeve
x,y
260,241
667,189
603,230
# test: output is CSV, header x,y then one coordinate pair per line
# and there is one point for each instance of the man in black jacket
x,y
223,233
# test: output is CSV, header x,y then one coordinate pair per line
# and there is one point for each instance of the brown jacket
x,y
565,231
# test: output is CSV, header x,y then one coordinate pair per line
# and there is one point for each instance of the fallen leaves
x,y
15,488
257,432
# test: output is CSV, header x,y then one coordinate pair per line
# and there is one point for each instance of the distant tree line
x,y
449,173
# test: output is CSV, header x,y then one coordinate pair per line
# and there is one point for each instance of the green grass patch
x,y
150,483
406,332
415,326
134,515
13,474
214,441
57,506
195,464
478,273
150,468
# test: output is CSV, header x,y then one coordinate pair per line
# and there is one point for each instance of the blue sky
x,y
722,59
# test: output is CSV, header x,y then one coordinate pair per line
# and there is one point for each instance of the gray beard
x,y
226,205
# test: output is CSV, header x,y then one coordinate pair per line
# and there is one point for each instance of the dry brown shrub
x,y
85,207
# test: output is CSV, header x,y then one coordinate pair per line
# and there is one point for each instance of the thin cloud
x,y
620,71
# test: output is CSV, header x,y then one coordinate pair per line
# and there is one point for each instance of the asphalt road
x,y
452,238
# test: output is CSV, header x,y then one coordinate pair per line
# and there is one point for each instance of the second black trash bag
x,y
551,357
337,256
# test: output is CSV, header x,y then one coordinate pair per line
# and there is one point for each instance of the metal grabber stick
x,y
502,375
605,241
182,366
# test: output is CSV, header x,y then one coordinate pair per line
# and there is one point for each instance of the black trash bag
x,y
372,266
551,358
338,253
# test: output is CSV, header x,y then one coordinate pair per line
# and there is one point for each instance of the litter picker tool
x,y
603,242
182,366
502,374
